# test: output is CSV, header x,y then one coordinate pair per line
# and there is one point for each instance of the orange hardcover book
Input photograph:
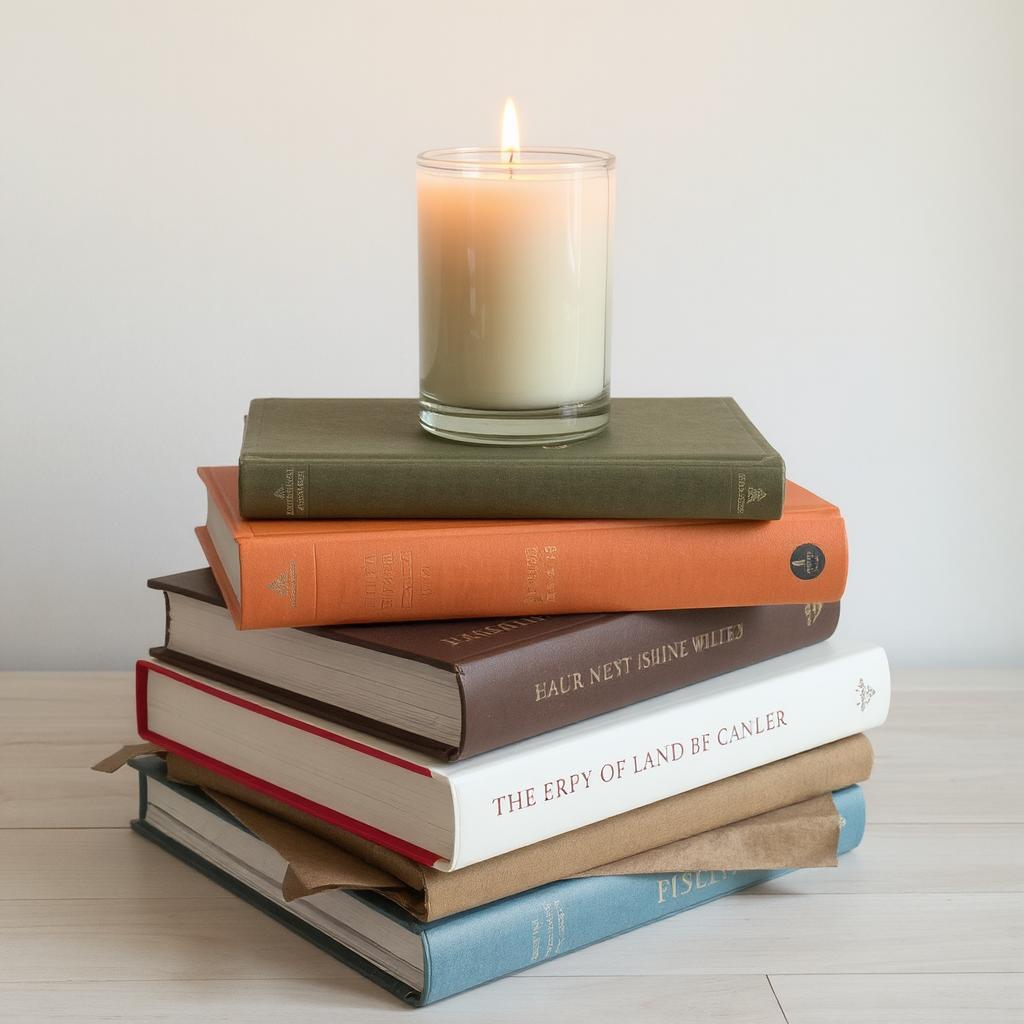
x,y
308,572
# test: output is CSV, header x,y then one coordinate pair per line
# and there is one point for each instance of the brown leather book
x,y
429,894
463,687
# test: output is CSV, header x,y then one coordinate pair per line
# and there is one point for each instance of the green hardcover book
x,y
368,458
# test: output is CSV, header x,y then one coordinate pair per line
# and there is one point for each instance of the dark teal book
x,y
422,963
368,458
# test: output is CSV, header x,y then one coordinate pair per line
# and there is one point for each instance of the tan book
x,y
657,837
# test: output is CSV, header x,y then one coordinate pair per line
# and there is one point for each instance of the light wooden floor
x,y
922,924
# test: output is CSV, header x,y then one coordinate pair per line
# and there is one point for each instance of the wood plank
x,y
347,997
931,858
142,939
71,704
52,728
116,863
132,934
907,998
101,863
861,933
215,938
949,757
958,680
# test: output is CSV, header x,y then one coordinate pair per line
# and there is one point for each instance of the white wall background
x,y
820,212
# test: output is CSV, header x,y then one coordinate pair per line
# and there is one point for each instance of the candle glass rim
x,y
553,160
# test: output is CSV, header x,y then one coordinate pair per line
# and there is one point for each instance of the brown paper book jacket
x,y
462,687
642,841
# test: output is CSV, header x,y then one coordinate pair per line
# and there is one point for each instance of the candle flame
x,y
509,133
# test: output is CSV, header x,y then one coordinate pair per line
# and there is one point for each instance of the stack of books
x,y
451,711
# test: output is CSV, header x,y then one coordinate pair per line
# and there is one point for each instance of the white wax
x,y
513,288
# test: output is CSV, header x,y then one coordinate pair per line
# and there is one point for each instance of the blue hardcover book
x,y
422,963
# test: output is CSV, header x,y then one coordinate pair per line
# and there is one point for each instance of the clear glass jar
x,y
515,277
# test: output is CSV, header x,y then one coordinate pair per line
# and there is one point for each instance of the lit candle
x,y
514,291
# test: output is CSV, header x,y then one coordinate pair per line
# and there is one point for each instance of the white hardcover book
x,y
451,815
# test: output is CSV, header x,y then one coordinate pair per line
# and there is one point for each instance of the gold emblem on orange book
x,y
284,584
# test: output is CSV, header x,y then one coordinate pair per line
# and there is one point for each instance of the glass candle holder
x,y
515,276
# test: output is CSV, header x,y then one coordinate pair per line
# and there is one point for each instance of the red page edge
x,y
353,825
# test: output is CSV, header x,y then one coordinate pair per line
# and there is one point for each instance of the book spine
x,y
537,568
535,927
434,489
529,689
553,784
